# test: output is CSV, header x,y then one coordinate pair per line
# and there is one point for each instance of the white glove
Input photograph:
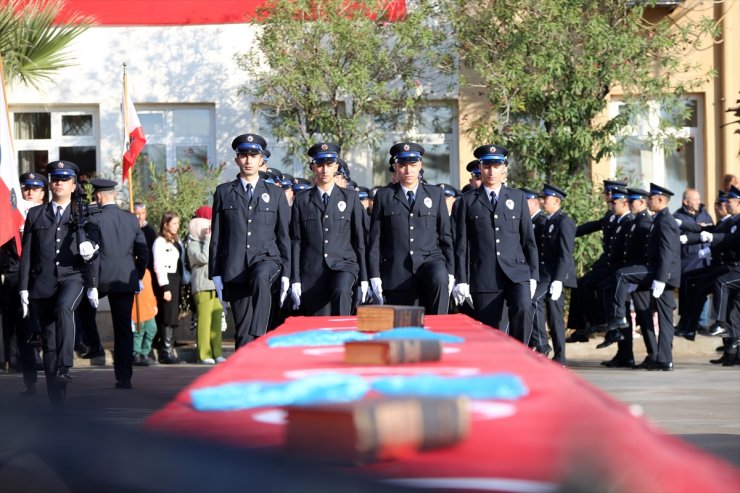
x,y
284,285
295,294
92,296
377,286
532,287
658,288
24,302
219,284
87,250
679,222
556,289
706,237
631,288
683,239
450,283
704,252
362,292
461,292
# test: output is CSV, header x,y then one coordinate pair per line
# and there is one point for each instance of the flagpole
x,y
126,138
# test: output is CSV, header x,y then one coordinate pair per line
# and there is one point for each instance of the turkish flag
x,y
12,206
136,138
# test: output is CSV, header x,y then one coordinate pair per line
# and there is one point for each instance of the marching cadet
x,y
538,340
33,190
473,168
495,249
327,241
410,258
54,273
250,242
556,241
124,256
663,269
585,314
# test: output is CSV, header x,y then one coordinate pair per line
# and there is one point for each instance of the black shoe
x,y
63,375
616,323
123,384
34,339
93,354
731,360
169,359
646,363
656,366
618,363
689,335
140,360
721,360
29,391
577,336
720,349
610,338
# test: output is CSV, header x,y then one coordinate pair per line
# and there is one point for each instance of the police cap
x,y
406,152
658,190
609,184
529,193
491,154
620,193
103,185
473,166
553,191
637,194
448,190
249,144
324,152
32,180
300,184
62,169
363,193
733,192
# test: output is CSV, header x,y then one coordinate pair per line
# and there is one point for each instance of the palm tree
x,y
32,43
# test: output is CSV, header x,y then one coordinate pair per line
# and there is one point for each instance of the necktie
x,y
411,198
494,200
325,198
58,217
249,193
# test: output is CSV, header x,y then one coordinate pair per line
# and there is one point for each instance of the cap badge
x,y
32,176
266,198
428,202
341,205
493,149
60,164
510,204
250,138
406,147
324,147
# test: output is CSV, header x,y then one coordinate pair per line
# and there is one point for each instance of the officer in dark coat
x,y
327,241
56,270
34,191
410,257
556,241
495,249
538,340
124,256
250,242
661,273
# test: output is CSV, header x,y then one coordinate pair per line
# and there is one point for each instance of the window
x,y
676,169
44,136
175,135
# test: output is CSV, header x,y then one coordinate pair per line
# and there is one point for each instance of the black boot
x,y
167,351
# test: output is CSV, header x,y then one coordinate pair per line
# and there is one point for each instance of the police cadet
x,y
473,167
250,243
54,275
410,250
538,340
495,249
557,269
33,190
585,314
124,257
327,241
662,270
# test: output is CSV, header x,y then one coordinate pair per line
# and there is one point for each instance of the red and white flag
x,y
12,206
136,140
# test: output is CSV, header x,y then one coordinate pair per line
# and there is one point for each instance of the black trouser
x,y
56,319
333,296
551,311
87,326
430,289
123,337
489,308
642,276
585,304
15,324
726,288
700,285
251,303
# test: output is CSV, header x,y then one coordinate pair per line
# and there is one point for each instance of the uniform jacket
x,y
403,239
726,244
556,241
663,249
690,224
123,252
46,261
635,240
243,235
487,240
538,223
616,251
332,239
607,224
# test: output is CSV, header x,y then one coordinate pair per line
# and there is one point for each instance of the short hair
x,y
139,205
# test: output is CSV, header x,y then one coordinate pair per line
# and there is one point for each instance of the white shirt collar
x,y
253,183
328,192
406,190
63,206
497,190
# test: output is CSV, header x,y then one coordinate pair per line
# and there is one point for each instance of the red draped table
x,y
564,428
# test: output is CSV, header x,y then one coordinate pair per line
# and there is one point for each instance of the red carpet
x,y
564,431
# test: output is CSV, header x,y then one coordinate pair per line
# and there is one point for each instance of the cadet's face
x,y
475,180
62,189
35,195
249,164
657,203
720,209
325,172
492,174
408,173
733,206
620,206
550,204
289,195
637,205
449,200
140,214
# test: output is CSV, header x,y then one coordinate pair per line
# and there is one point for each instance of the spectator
x,y
145,326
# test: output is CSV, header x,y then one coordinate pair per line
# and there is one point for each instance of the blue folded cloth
x,y
328,337
316,389
417,333
505,386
